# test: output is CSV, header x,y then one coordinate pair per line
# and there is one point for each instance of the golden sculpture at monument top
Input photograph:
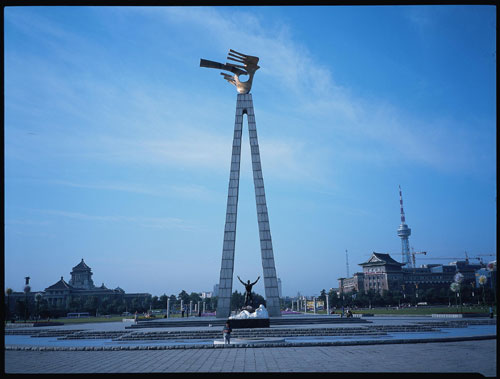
x,y
248,68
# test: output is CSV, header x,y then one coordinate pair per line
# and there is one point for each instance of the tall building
x,y
404,232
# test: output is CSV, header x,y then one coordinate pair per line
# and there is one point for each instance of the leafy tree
x,y
155,302
135,305
258,300
183,295
43,308
212,303
20,307
8,291
91,304
237,300
194,297
322,296
74,304
163,301
333,298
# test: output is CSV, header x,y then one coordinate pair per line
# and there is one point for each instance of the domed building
x,y
81,286
81,277
77,291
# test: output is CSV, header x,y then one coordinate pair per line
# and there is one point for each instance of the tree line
x,y
38,307
433,296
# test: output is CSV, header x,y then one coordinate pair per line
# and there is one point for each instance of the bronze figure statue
x,y
248,291
248,68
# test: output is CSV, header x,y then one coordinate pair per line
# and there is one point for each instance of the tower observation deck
x,y
404,232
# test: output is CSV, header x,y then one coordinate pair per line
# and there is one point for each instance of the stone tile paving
x,y
462,357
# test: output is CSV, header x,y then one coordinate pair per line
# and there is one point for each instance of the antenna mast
x,y
347,263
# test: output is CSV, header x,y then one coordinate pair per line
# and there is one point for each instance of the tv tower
x,y
404,232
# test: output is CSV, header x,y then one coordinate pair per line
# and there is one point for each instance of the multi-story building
x,y
206,295
355,283
381,272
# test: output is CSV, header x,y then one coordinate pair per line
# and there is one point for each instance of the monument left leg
x,y
227,266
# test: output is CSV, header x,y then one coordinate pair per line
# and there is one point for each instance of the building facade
x,y
79,288
382,273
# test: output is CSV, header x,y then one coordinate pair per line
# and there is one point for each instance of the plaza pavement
x,y
457,356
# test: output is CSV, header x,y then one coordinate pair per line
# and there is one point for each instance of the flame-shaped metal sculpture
x,y
248,68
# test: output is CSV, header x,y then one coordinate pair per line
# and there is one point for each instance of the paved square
x,y
438,357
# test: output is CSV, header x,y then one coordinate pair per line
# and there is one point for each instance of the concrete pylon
x,y
244,105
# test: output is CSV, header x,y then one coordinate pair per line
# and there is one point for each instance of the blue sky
x,y
117,144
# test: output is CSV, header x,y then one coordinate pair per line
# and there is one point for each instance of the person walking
x,y
226,332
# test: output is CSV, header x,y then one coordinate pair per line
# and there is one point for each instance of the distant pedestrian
x,y
226,332
135,317
183,312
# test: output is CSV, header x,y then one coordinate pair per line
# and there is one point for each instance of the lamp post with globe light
x,y
492,268
455,287
459,278
482,282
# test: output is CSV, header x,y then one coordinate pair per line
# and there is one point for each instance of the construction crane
x,y
478,257
413,253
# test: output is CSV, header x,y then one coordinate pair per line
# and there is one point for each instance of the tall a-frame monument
x,y
244,105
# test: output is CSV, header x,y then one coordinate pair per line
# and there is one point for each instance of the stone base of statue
x,y
248,323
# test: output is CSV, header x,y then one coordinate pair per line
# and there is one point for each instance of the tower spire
x,y
404,232
401,204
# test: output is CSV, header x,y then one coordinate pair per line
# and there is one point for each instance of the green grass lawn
x,y
423,310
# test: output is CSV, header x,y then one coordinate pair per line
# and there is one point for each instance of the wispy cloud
x,y
190,191
156,124
147,222
390,131
122,187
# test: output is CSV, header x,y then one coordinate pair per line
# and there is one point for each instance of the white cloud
x,y
155,124
148,222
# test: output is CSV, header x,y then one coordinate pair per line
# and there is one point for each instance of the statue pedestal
x,y
245,323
